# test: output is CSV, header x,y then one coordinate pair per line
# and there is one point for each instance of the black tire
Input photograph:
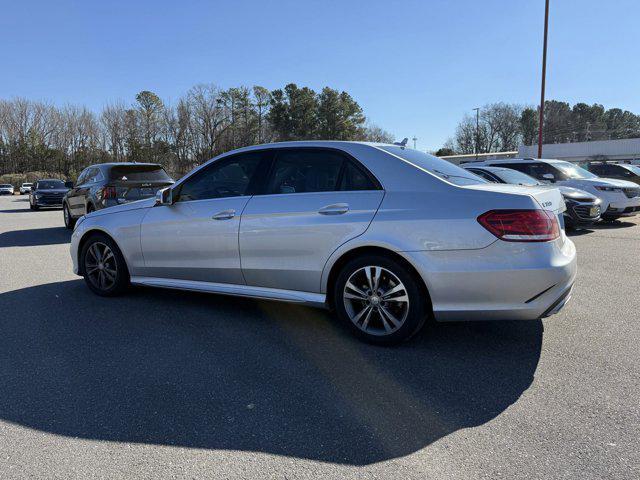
x,y
121,281
418,305
69,221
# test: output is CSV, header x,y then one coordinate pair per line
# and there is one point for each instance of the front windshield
x,y
5,185
573,171
50,184
441,168
515,177
633,168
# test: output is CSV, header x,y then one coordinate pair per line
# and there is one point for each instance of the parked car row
x,y
385,236
583,209
619,198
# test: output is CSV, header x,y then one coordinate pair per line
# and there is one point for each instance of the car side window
x,y
305,171
536,170
225,178
620,171
82,177
92,174
353,178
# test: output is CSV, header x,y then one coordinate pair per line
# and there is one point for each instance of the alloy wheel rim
x,y
100,266
376,300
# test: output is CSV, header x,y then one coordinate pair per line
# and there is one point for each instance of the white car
x,y
620,198
25,188
385,235
6,189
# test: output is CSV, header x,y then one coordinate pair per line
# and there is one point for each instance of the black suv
x,y
108,184
621,171
47,193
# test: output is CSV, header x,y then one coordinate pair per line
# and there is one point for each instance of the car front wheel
x,y
380,299
104,267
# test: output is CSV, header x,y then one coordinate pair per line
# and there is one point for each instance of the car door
x,y
313,201
76,196
196,237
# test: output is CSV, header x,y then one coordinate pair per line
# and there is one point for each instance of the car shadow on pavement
x,y
203,371
612,225
35,236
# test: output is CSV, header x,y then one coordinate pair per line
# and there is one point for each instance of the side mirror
x,y
68,184
164,197
549,176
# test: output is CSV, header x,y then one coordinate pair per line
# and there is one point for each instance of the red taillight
x,y
109,192
521,225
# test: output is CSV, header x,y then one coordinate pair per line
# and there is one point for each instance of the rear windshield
x,y
50,184
441,168
140,173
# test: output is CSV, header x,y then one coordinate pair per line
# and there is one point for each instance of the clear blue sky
x,y
415,67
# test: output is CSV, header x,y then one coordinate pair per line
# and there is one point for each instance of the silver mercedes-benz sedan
x,y
384,235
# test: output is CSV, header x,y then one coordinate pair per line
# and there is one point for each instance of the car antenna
x,y
403,143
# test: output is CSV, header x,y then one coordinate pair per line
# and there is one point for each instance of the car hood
x,y
125,207
570,192
604,182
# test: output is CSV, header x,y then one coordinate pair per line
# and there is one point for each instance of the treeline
x,y
502,126
206,121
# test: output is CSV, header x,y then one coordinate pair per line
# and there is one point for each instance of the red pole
x,y
544,73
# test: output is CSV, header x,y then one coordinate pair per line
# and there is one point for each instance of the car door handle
x,y
335,209
224,215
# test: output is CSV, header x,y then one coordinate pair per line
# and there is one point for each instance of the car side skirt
x,y
263,293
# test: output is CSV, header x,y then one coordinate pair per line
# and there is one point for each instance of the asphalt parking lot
x,y
163,384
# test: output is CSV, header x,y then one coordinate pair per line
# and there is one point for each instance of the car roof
x,y
501,161
340,144
124,164
488,168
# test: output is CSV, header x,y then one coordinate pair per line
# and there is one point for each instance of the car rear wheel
x,y
69,221
103,266
380,300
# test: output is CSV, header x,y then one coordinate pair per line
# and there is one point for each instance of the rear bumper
x,y
504,281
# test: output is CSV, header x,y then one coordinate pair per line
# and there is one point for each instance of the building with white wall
x,y
624,150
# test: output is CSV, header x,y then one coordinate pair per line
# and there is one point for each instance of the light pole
x,y
477,131
544,73
414,141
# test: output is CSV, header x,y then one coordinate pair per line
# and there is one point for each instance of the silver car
x,y
386,236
